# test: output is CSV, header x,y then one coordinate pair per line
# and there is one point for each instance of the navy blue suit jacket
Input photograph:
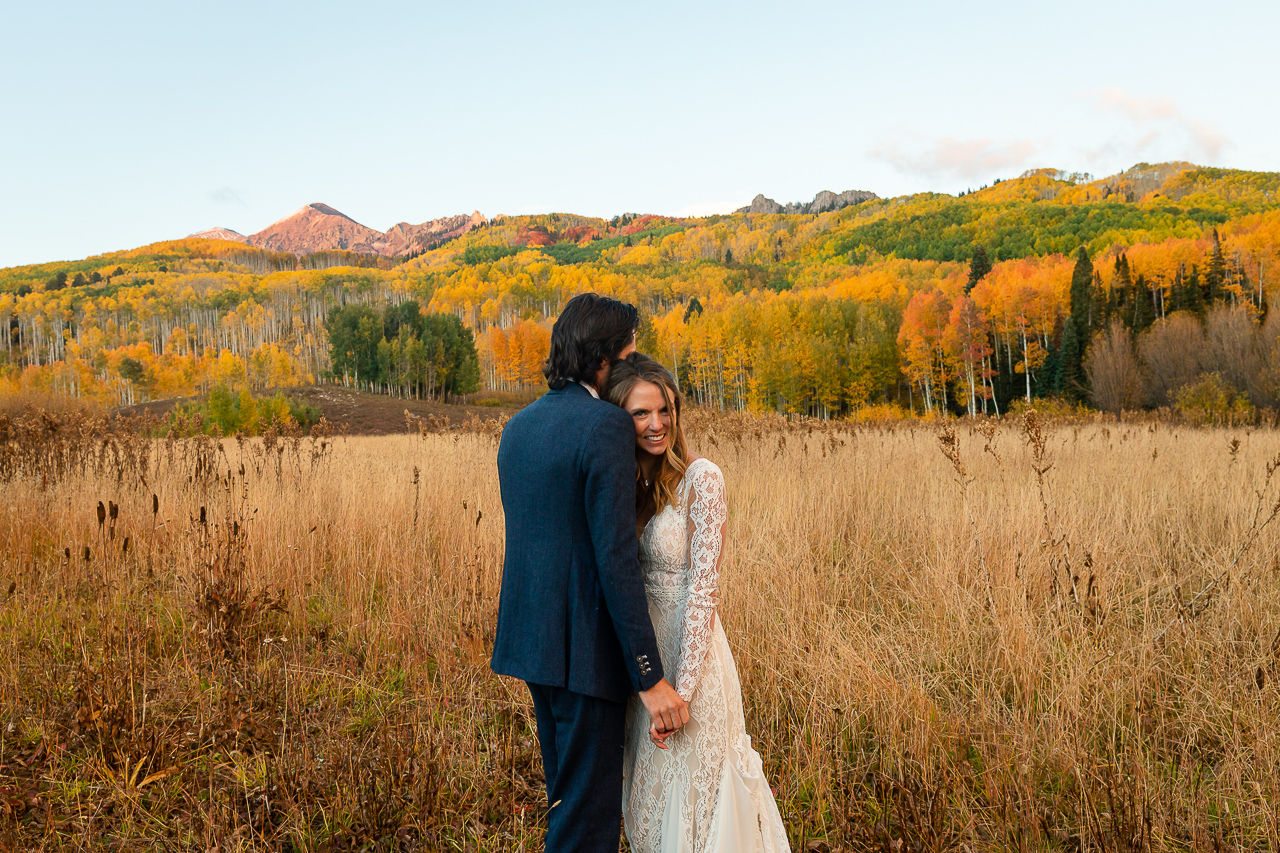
x,y
572,612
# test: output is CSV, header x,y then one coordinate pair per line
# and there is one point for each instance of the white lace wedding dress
x,y
708,792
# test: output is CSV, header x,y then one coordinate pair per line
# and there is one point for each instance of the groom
x,y
573,621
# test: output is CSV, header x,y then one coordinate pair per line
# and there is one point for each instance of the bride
x,y
701,788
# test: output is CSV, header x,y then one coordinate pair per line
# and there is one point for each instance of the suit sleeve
x,y
610,494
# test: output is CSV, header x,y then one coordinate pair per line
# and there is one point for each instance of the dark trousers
x,y
581,739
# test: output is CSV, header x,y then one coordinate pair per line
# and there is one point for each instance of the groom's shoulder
x,y
572,409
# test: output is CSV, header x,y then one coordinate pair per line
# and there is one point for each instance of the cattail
x,y
114,511
102,514
87,556
155,504
202,516
124,548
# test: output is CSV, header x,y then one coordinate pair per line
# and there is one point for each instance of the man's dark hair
x,y
591,329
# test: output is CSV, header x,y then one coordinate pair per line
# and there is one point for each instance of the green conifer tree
x,y
979,266
1082,293
1216,276
1067,380
1079,322
1195,292
1144,310
1101,313
1122,290
1177,293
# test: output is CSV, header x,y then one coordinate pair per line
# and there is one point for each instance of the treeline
x,y
932,303
176,255
1025,328
400,350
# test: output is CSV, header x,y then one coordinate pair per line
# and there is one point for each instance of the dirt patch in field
x,y
360,412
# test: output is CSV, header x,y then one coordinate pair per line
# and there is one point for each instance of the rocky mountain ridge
x,y
317,227
822,202
220,234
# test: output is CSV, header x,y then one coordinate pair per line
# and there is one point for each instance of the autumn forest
x,y
1151,288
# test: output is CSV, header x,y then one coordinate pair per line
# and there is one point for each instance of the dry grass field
x,y
973,638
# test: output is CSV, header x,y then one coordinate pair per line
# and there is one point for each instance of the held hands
x,y
667,711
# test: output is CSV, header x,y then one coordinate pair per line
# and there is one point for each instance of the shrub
x,y
1211,399
1055,409
242,413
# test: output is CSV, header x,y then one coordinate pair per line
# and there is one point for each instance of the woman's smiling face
x,y
652,417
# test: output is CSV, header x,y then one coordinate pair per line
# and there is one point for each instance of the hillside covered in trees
x,y
1143,289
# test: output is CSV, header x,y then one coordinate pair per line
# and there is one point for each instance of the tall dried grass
x,y
979,637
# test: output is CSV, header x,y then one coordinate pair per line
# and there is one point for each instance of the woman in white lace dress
x,y
701,788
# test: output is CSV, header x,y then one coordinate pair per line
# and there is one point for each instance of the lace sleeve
x,y
707,514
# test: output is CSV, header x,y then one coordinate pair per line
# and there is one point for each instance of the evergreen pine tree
x,y
1067,380
979,266
1177,293
1216,276
1122,290
1101,315
1144,310
1082,292
1080,320
1195,292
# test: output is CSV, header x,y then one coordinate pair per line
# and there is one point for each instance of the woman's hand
x,y
659,738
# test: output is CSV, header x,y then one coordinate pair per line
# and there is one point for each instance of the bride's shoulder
x,y
702,469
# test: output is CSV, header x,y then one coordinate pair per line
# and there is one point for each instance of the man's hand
x,y
667,711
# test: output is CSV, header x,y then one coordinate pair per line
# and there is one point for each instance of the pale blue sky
x,y
126,123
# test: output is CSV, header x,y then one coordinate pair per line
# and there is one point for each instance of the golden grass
x,y
939,648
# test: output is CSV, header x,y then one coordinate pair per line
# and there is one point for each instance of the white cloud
x,y
1161,120
966,159
226,196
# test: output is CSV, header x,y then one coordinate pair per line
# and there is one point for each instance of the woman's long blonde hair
x,y
624,376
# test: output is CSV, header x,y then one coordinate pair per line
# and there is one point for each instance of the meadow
x,y
964,635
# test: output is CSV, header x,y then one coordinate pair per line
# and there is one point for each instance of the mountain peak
x,y
318,227
308,211
321,207
219,233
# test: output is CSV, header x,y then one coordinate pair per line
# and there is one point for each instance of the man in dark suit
x,y
573,621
